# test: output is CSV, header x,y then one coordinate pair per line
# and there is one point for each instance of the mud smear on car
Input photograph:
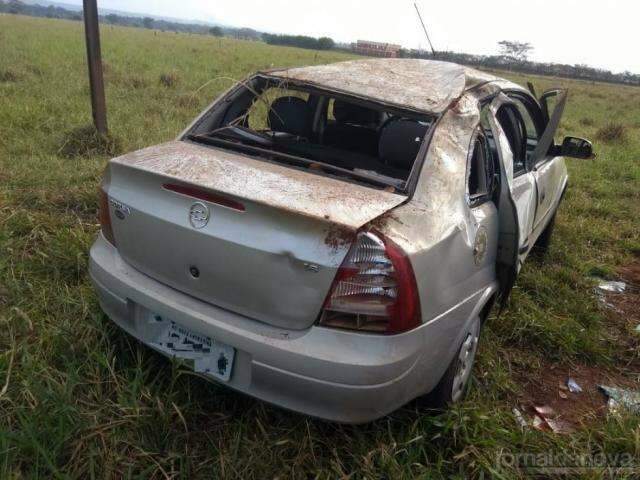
x,y
338,237
242,177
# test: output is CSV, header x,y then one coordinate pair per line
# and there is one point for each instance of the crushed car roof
x,y
426,86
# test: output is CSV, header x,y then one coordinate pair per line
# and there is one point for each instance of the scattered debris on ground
x,y
570,391
612,286
573,386
605,288
544,418
623,308
560,398
520,418
620,397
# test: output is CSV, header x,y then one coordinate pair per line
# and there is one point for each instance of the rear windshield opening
x,y
318,130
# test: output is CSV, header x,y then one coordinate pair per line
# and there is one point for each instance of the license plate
x,y
203,354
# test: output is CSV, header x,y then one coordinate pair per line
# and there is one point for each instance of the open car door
x,y
509,232
549,172
509,227
552,121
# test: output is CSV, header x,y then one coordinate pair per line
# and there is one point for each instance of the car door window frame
x,y
487,168
535,113
518,128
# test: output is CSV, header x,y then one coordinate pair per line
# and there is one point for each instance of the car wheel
x,y
454,384
544,240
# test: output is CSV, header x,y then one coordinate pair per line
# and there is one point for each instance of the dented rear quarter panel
x,y
438,230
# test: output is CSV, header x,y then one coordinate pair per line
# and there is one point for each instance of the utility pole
x,y
94,60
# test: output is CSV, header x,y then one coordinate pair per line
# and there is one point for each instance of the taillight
x,y
374,290
105,217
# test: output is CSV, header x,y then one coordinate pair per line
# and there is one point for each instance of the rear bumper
x,y
336,375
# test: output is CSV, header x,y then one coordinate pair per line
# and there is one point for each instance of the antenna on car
x,y
433,51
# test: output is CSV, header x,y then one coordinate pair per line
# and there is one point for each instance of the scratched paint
x,y
326,199
419,85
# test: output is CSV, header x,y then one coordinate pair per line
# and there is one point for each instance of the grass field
x,y
80,399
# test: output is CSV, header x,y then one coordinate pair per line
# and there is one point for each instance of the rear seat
x,y
390,150
355,128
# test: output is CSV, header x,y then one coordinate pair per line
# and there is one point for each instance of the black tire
x,y
442,395
544,240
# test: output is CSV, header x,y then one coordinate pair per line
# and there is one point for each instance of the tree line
x,y
35,10
522,65
302,41
513,55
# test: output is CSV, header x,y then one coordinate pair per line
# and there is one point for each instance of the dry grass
x,y
169,80
9,75
612,133
86,141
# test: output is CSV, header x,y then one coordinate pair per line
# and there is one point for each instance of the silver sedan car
x,y
330,239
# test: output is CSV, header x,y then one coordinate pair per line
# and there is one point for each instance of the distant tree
x,y
216,32
147,22
301,41
16,7
516,51
326,43
113,18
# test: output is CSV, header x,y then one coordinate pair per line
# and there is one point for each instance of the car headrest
x,y
345,112
290,115
400,140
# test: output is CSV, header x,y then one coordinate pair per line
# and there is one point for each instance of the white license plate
x,y
203,354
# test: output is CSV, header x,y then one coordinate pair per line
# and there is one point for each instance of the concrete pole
x,y
94,60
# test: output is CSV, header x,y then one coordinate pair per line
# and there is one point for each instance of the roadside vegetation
x,y
81,399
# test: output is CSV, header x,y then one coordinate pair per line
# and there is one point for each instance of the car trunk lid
x,y
273,238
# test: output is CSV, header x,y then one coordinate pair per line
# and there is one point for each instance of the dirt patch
x,y
187,100
9,75
86,141
627,304
169,80
130,81
623,312
548,387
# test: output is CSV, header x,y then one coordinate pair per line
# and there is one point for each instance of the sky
x,y
598,33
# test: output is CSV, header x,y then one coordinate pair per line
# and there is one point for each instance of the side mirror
x,y
576,148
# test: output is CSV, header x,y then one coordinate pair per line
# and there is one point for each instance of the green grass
x,y
84,400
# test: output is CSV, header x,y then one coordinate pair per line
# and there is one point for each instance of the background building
x,y
375,49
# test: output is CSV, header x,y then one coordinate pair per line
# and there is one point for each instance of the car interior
x,y
348,134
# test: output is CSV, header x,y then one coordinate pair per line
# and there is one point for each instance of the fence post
x,y
94,60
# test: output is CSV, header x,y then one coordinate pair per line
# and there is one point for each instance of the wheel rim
x,y
466,357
